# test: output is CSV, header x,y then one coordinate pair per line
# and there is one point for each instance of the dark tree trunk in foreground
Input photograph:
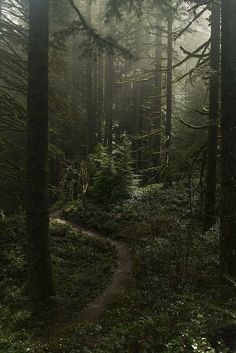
x,y
228,200
210,201
168,179
40,280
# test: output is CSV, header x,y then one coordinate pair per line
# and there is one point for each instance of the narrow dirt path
x,y
94,310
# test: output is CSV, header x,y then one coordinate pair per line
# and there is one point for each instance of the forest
x,y
118,176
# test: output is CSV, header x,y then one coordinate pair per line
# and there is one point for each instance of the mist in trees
x,y
118,116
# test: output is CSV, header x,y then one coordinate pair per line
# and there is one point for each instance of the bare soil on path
x,y
95,309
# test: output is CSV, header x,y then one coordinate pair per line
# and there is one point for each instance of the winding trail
x,y
94,310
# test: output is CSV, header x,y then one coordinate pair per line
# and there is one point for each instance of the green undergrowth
x,y
147,212
177,301
82,268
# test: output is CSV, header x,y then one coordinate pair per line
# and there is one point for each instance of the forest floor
x,y
83,267
95,309
149,283
176,301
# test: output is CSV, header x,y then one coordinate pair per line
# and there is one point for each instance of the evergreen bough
x,y
113,179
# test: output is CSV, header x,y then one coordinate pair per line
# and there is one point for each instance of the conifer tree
x,y
41,288
210,202
228,101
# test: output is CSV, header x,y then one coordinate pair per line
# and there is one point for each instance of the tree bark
x,y
210,201
158,87
100,83
228,193
140,124
109,100
74,96
100,97
168,178
91,114
40,280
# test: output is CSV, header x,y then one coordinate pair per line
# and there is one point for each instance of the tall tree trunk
x,y
210,201
95,94
91,116
158,87
137,101
74,96
228,198
40,280
1,7
109,100
140,124
100,97
100,82
168,179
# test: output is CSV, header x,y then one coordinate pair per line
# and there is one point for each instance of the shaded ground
x,y
93,311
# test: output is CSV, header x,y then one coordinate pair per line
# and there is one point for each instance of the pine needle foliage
x,y
114,179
